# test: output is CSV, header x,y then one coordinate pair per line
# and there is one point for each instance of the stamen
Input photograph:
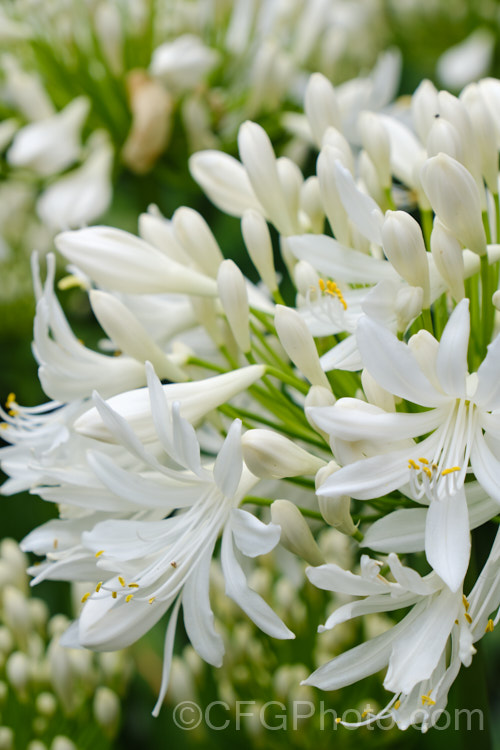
x,y
424,461
55,543
397,705
426,699
413,464
150,601
133,585
121,580
114,594
129,597
450,470
465,602
173,564
368,710
98,587
490,626
468,618
98,554
321,284
85,597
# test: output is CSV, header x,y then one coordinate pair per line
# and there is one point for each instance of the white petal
x,y
417,650
410,580
343,356
451,362
198,615
447,538
485,465
167,656
332,259
229,463
393,365
487,394
331,577
368,606
252,536
362,209
249,601
369,477
400,531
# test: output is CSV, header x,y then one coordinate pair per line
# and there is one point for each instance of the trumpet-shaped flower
x,y
158,558
458,425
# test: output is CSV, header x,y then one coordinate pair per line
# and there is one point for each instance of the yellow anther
x,y
424,461
413,464
427,472
85,597
450,470
13,413
133,585
70,282
321,284
434,467
490,626
465,602
338,720
114,594
173,564
368,710
426,699
11,399
117,353
456,622
98,554
129,597
468,618
98,587
55,543
4,425
122,580
397,705
150,601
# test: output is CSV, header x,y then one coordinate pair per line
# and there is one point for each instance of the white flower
x,y
425,650
459,420
150,566
183,63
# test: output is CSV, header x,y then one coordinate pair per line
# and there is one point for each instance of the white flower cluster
x,y
377,388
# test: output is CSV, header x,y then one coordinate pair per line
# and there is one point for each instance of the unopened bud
x,y
270,455
318,396
311,206
332,204
296,535
454,196
335,510
299,344
46,704
496,299
106,708
62,743
448,257
321,106
376,143
16,611
17,670
197,239
485,136
408,305
424,108
405,248
444,138
6,738
234,299
258,243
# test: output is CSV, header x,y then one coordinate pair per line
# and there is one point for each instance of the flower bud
x,y
46,704
17,670
448,257
444,137
197,239
455,198
484,131
424,108
130,336
375,140
62,743
260,249
306,279
233,296
321,106
158,231
270,455
106,707
377,395
318,396
311,208
299,344
335,510
296,535
408,305
16,611
332,204
6,738
404,246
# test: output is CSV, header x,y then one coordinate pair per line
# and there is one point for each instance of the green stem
x,y
427,320
267,501
427,220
